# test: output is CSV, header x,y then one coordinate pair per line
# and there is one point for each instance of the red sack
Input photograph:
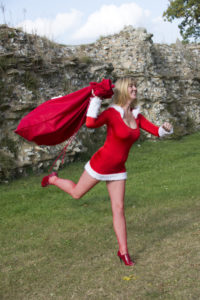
x,y
56,120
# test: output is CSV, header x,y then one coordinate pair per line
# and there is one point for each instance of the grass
x,y
54,247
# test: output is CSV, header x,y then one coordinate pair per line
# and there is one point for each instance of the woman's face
x,y
132,91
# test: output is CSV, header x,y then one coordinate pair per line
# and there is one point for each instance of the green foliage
x,y
6,91
10,144
7,62
7,156
7,164
189,13
30,81
85,59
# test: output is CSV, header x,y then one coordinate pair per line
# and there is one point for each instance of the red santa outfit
x,y
108,163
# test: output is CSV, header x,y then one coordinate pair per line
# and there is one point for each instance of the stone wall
x,y
33,70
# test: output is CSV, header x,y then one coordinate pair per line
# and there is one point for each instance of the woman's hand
x,y
93,95
167,126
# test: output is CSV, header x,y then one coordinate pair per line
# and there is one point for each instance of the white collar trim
x,y
118,108
136,111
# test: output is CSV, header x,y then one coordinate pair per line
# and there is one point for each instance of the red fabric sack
x,y
56,120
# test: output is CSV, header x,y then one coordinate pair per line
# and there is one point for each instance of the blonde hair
x,y
121,90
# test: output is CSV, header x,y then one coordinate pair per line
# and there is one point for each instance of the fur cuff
x,y
94,106
162,132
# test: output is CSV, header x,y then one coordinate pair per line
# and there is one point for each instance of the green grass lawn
x,y
55,247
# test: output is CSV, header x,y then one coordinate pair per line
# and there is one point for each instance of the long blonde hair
x,y
121,90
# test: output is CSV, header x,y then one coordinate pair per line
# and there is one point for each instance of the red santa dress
x,y
108,163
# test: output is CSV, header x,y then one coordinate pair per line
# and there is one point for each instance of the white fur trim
x,y
162,132
135,111
94,106
118,108
105,177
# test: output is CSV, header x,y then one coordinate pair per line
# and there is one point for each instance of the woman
x,y
108,163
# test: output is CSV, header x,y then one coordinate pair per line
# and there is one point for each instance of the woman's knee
x,y
118,208
76,195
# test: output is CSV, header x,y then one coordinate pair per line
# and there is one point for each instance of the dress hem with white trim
x,y
105,177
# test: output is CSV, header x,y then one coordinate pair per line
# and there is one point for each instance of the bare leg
x,y
116,191
85,183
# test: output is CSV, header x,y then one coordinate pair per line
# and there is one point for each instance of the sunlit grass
x,y
55,247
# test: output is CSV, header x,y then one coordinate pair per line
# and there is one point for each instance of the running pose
x,y
123,122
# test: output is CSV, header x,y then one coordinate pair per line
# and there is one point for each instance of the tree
x,y
189,12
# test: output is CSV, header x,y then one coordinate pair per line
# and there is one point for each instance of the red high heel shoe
x,y
45,179
126,259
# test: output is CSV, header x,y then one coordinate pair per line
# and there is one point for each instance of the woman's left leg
x,y
116,190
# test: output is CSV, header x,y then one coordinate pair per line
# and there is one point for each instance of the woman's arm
x,y
161,131
92,119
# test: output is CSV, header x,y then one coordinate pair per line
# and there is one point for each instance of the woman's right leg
x,y
85,183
